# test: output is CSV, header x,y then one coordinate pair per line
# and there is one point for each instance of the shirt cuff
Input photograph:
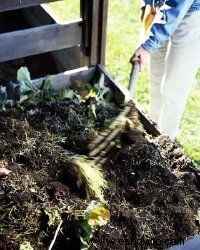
x,y
149,45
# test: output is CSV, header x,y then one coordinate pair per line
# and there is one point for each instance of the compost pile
x,y
152,193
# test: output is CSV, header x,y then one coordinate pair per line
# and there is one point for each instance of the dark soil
x,y
153,194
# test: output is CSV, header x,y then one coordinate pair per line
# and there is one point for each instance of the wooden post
x,y
94,15
103,25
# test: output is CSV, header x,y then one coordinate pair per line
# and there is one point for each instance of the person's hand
x,y
140,56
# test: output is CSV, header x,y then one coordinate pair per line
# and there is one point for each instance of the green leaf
x,y
96,88
84,243
23,75
24,78
47,83
24,87
3,105
66,94
86,228
102,92
93,108
118,143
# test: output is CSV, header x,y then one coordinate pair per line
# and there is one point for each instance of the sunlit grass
x,y
66,9
122,37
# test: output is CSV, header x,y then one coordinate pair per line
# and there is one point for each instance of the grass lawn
x,y
122,37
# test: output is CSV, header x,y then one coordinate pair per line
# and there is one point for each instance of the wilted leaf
x,y
198,216
97,215
4,172
53,216
23,98
25,246
84,89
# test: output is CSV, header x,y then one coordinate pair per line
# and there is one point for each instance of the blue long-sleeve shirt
x,y
169,15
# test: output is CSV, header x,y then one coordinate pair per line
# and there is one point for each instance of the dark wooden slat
x,y
65,59
95,33
6,5
38,40
85,14
94,14
104,19
99,27
37,16
62,80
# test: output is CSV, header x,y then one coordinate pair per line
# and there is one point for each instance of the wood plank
x,y
6,5
85,14
37,16
103,25
62,80
95,48
94,14
38,40
65,59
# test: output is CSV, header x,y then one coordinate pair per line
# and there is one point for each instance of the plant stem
x,y
55,236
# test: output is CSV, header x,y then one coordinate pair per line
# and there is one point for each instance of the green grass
x,y
122,37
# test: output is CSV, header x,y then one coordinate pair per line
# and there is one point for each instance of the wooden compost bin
x,y
77,48
31,33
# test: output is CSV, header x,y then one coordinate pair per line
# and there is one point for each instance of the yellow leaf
x,y
98,216
25,246
53,216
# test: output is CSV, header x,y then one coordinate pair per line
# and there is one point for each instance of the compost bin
x,y
144,195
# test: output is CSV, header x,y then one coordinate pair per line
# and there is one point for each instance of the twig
x,y
55,236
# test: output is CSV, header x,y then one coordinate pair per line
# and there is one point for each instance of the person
x,y
172,43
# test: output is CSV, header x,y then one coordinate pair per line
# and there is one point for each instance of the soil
x,y
153,194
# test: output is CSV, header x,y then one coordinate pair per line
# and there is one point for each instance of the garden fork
x,y
100,146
